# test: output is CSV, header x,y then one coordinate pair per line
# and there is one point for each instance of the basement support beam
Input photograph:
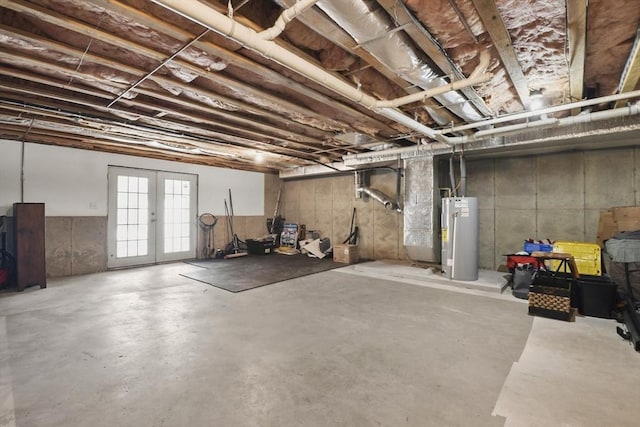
x,y
577,35
280,82
492,21
257,96
631,73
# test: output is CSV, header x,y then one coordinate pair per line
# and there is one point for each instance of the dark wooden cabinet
x,y
25,242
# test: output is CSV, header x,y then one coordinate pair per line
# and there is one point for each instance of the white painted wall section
x,y
73,182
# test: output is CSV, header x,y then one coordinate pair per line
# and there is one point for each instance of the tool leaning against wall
x,y
207,222
236,247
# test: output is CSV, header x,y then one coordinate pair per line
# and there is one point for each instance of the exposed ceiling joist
x,y
360,119
577,33
294,111
123,133
64,139
265,132
492,21
424,40
631,73
64,61
171,130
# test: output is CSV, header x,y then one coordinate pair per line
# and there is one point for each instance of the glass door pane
x,y
177,218
131,221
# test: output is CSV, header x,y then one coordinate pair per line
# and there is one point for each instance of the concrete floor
x,y
367,345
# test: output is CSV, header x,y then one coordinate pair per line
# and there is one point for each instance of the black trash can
x,y
597,296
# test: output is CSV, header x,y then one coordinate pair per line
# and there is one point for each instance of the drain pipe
x,y
285,17
545,111
463,176
503,131
452,179
631,110
430,93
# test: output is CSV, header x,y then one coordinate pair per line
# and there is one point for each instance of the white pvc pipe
x,y
403,119
479,75
436,148
430,93
548,110
285,17
216,21
517,127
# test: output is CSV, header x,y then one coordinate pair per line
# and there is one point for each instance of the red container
x,y
514,260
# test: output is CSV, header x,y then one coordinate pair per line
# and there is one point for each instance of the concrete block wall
x,y
557,197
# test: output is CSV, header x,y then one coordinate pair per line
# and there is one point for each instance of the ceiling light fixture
x,y
536,99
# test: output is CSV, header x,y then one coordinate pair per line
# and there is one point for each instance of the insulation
x,y
81,55
611,30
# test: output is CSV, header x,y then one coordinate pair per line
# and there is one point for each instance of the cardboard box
x,y
607,227
346,254
614,220
626,213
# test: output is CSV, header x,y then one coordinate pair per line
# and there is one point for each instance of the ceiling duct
x,y
372,29
361,140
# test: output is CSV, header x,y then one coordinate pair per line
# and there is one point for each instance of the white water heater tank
x,y
459,226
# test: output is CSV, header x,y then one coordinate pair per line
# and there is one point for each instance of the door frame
x,y
161,255
155,217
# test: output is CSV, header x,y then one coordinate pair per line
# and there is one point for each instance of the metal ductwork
x,y
371,27
421,216
379,196
362,187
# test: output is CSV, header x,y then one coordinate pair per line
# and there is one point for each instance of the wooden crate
x,y
551,301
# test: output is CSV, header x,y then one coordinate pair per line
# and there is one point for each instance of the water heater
x,y
459,225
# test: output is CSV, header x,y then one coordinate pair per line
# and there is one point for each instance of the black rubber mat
x,y
243,273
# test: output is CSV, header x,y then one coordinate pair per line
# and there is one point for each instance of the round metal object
x,y
207,220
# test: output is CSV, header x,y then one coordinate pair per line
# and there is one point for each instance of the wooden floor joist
x,y
577,33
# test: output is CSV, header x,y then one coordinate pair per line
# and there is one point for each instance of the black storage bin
x,y
597,296
260,247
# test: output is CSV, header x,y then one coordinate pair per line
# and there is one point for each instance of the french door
x,y
152,216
